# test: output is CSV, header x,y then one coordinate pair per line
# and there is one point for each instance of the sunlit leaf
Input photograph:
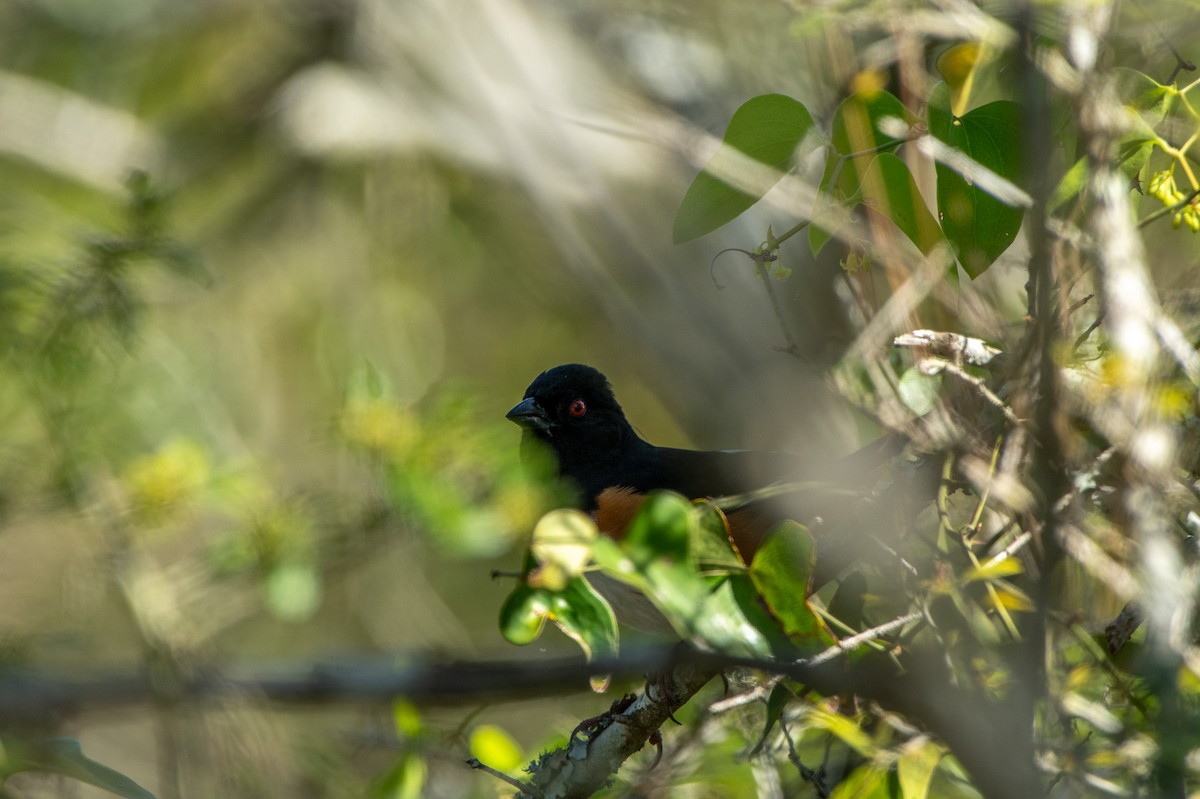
x,y
845,728
888,189
915,768
865,782
564,537
492,745
957,65
979,225
992,570
768,129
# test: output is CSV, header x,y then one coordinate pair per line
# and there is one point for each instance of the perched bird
x,y
572,410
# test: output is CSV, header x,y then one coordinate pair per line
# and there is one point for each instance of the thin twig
x,y
474,763
855,641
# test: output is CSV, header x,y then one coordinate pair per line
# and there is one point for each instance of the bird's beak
x,y
529,415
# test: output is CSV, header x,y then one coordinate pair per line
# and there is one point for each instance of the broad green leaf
x,y
919,392
661,529
979,226
586,618
710,541
655,557
768,129
888,189
65,756
855,132
915,768
722,625
782,573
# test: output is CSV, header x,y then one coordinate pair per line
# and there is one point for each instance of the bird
x,y
573,411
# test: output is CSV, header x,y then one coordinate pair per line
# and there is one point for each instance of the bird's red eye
x,y
577,408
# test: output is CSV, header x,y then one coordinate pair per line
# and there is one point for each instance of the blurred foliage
x,y
271,272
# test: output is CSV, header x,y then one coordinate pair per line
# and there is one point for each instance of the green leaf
x,y
662,528
781,572
918,391
888,189
492,745
865,782
1005,567
781,694
293,591
768,129
916,766
710,541
562,545
1153,101
586,618
721,624
979,226
523,614
855,129
65,756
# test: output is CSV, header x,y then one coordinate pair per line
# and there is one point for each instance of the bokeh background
x,y
271,273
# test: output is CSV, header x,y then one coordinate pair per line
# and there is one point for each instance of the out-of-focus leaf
x,y
843,727
781,694
849,601
888,189
1153,101
1006,567
293,591
405,780
855,129
979,225
957,65
915,767
562,545
768,129
492,745
919,392
65,756
865,782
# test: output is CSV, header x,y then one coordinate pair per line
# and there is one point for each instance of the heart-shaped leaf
x,y
768,129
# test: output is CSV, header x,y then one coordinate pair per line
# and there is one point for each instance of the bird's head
x,y
571,408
